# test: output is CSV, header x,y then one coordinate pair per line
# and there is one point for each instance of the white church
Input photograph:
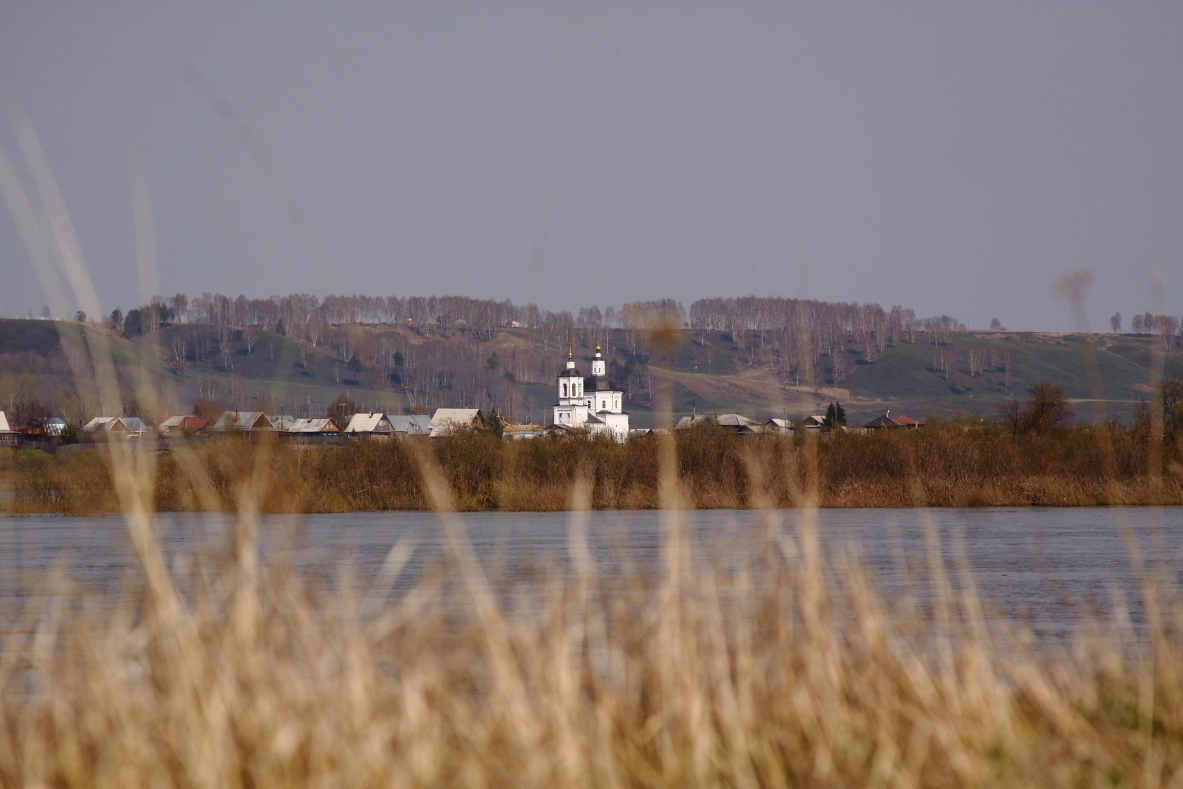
x,y
590,403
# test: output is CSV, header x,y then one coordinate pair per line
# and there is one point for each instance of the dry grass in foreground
x,y
787,669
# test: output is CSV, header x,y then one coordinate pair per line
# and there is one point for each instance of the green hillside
x,y
708,372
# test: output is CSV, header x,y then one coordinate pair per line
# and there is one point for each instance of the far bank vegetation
x,y
1028,458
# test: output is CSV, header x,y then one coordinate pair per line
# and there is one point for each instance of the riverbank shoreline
x,y
715,469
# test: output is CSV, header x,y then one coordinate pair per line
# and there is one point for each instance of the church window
x,y
564,390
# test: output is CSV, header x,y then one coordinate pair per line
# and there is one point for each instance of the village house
x,y
8,436
694,420
115,428
888,421
410,424
183,426
34,430
252,422
370,425
814,422
783,426
884,422
737,423
451,420
518,432
311,430
742,425
592,403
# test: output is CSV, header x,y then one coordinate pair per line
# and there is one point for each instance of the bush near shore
x,y
951,465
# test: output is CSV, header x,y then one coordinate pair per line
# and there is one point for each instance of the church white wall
x,y
607,401
617,424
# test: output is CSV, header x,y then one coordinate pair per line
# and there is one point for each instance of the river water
x,y
1047,568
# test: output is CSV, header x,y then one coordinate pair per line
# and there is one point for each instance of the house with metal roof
x,y
410,424
369,425
243,422
103,423
740,424
311,429
783,426
884,422
735,422
451,420
116,428
889,421
813,422
183,426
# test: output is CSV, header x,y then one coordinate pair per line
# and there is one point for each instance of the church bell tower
x,y
598,363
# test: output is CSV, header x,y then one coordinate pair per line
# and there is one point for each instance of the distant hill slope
x,y
909,377
706,372
24,336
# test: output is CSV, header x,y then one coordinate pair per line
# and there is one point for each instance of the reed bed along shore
x,y
934,467
781,668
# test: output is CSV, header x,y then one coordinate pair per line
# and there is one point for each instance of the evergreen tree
x,y
133,324
496,422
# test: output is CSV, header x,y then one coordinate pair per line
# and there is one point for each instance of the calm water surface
x,y
1046,567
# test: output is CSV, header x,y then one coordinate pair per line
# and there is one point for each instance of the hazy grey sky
x,y
952,157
